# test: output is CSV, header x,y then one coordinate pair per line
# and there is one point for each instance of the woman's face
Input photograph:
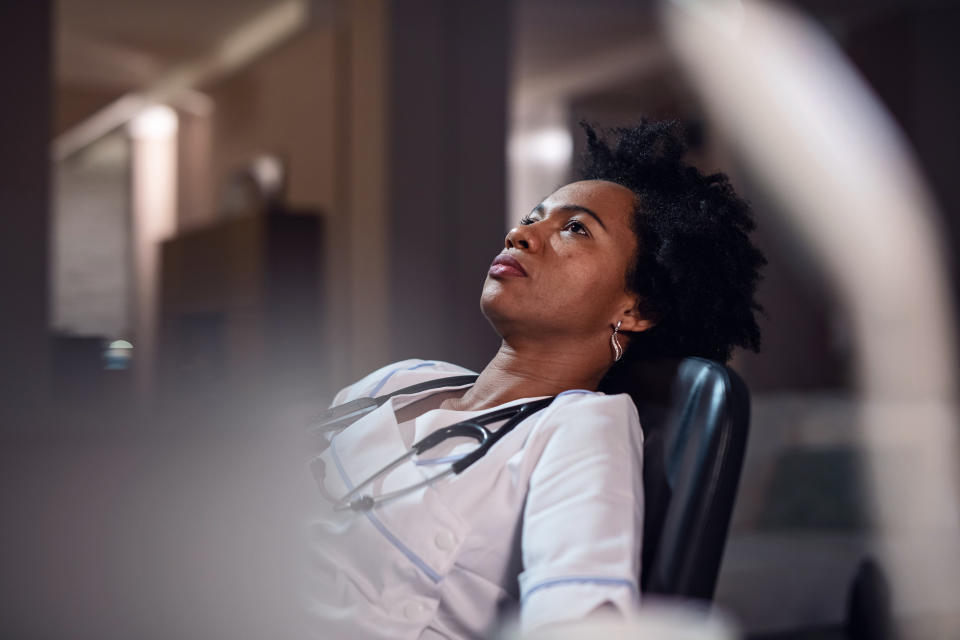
x,y
563,268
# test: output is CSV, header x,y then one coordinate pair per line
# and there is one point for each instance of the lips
x,y
507,266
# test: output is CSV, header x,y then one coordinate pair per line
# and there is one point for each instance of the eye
x,y
577,227
525,220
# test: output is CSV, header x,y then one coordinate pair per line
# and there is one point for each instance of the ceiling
x,y
128,43
554,34
106,48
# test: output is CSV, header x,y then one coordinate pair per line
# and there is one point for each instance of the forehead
x,y
609,200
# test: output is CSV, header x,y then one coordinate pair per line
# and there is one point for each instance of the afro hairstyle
x,y
695,271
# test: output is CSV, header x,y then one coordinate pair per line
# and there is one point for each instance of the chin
x,y
490,297
494,304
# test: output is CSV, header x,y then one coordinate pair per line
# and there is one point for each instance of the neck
x,y
524,372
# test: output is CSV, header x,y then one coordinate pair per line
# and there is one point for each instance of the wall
x,y
317,102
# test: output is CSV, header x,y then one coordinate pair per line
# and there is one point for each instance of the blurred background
x,y
218,213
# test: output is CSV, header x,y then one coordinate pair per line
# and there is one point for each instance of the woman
x,y
643,256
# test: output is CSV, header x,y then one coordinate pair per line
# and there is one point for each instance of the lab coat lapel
x,y
418,523
368,445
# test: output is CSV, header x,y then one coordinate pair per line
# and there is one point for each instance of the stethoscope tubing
x,y
473,427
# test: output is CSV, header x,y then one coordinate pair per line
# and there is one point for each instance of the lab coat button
x,y
445,541
413,610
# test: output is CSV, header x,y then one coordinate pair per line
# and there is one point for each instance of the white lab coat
x,y
551,518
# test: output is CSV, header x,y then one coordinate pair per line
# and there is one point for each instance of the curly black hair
x,y
696,270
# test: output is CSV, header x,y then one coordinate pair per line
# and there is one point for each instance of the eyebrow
x,y
572,207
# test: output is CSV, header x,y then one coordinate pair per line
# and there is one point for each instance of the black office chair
x,y
695,415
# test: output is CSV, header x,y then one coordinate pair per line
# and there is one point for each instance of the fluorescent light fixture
x,y
158,121
552,146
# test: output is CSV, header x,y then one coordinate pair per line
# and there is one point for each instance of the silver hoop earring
x,y
617,349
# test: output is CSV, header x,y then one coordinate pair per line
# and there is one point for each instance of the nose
x,y
522,237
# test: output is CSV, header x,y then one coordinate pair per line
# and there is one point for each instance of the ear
x,y
632,319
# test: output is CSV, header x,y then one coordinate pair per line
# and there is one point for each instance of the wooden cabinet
x,y
240,305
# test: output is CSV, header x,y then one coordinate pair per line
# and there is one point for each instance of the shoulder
x,y
577,401
590,412
396,376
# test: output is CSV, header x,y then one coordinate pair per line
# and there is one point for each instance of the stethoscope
x,y
338,418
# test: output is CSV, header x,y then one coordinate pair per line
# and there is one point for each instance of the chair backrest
x,y
695,415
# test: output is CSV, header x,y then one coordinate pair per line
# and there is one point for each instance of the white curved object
x,y
807,125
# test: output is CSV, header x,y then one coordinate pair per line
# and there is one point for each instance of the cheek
x,y
590,286
595,275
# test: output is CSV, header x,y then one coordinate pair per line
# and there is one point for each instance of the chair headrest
x,y
695,414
